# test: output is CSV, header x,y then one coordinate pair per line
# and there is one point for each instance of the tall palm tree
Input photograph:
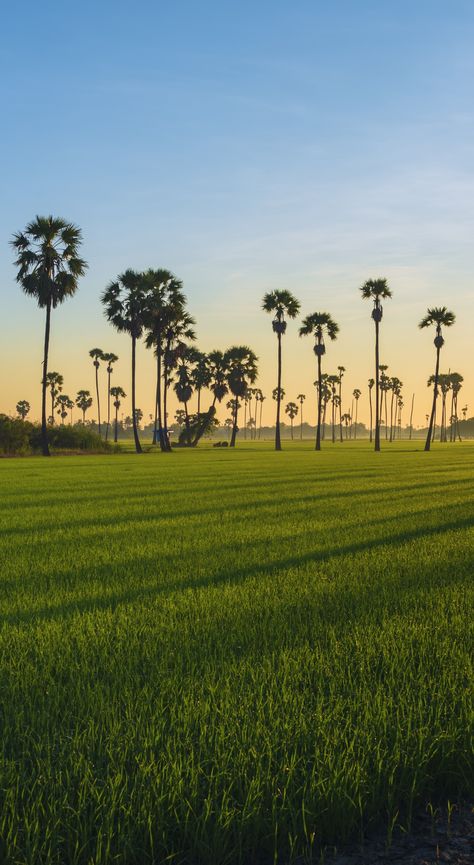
x,y
49,269
124,302
357,395
183,387
54,381
283,304
83,402
261,399
97,355
370,385
179,329
241,364
118,394
163,297
318,324
441,317
301,398
110,359
22,409
291,409
376,290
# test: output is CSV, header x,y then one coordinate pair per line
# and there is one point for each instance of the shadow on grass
x,y
222,577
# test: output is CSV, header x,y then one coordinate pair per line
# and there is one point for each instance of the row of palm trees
x,y
151,305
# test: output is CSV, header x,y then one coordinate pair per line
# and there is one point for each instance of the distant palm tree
x,y
64,404
357,395
118,394
441,317
291,409
110,359
183,387
261,399
124,302
282,303
54,381
218,375
370,385
97,355
83,402
179,330
375,290
49,269
23,408
347,420
301,398
241,365
318,324
341,370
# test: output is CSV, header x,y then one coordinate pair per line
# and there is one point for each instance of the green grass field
x,y
232,657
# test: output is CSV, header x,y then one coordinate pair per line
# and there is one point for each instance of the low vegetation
x,y
22,438
232,656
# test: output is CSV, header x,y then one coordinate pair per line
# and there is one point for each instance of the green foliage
x,y
226,657
15,436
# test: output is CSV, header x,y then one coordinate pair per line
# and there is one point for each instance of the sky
x,y
245,146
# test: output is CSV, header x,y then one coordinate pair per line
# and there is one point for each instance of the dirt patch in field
x,y
435,838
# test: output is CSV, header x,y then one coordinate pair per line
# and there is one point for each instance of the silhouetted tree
x,y
23,409
376,290
283,304
319,324
83,402
441,317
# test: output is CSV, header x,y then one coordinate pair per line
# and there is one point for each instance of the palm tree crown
x,y
441,316
374,289
318,323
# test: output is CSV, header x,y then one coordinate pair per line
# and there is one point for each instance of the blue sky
x,y
246,146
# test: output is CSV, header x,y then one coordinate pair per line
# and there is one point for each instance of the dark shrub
x,y
14,436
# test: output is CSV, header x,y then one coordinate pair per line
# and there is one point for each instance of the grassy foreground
x,y
231,657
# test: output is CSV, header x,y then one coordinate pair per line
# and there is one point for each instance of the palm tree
x,y
64,404
375,290
384,387
319,324
441,317
341,370
357,395
201,376
49,268
164,296
347,420
23,408
261,399
54,381
83,402
282,303
179,327
370,385
301,398
291,410
97,355
111,359
124,302
241,365
183,387
118,394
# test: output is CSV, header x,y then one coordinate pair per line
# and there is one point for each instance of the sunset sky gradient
x,y
245,146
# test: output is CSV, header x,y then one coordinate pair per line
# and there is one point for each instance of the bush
x,y
14,436
19,438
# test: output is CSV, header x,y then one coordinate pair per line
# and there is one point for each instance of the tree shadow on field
x,y
218,507
226,576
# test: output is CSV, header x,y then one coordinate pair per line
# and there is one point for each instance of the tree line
x,y
151,305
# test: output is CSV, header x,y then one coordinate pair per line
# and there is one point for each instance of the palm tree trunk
x,y
277,428
355,428
391,416
370,406
97,392
108,407
377,389
52,405
186,416
44,426
320,397
116,425
155,422
411,415
260,426
340,411
138,446
166,437
433,407
234,426
301,421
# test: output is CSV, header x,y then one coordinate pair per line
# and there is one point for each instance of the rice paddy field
x,y
232,657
